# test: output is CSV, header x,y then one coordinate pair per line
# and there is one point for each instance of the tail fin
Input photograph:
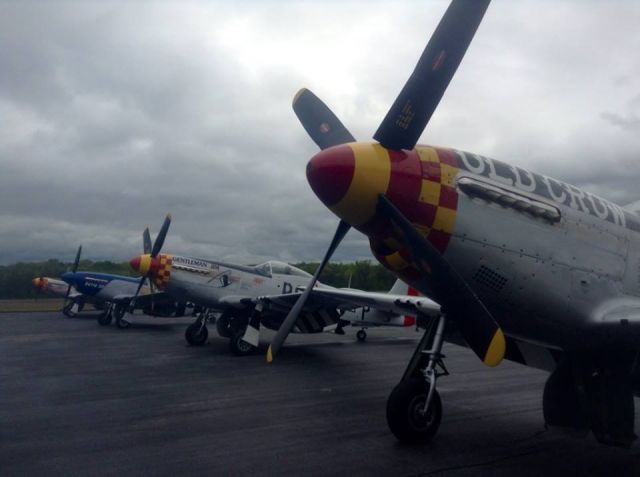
x,y
401,288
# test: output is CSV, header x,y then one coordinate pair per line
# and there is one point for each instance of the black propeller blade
x,y
157,245
154,251
318,120
291,318
459,302
74,269
146,241
412,109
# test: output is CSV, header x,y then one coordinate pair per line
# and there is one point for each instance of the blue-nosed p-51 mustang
x,y
525,267
249,297
108,292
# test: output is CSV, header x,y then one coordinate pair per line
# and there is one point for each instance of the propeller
x,y
318,120
400,129
146,241
414,106
326,130
458,301
291,318
153,251
74,269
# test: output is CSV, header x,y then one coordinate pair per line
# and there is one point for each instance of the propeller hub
x,y
330,173
39,282
350,178
145,264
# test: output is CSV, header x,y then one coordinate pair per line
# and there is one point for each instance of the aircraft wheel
x,y
122,323
239,347
119,311
195,334
104,318
66,311
361,335
405,416
222,326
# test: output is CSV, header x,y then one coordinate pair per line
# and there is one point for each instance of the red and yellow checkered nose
x,y
350,178
145,264
157,268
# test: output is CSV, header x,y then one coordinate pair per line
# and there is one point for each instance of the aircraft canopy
x,y
280,268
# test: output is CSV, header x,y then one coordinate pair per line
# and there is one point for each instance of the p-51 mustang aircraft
x,y
55,286
109,292
525,267
249,297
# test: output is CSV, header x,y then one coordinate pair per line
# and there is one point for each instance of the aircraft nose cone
x,y
36,282
135,263
330,173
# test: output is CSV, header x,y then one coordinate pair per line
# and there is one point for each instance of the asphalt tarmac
x,y
79,399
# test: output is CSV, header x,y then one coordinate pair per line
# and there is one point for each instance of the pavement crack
x,y
497,460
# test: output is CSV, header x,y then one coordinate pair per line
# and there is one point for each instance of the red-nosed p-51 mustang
x,y
249,297
525,267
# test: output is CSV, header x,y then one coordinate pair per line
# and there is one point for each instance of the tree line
x,y
15,279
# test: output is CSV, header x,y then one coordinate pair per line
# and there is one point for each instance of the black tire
x,y
404,412
361,335
119,311
105,318
223,326
195,334
66,311
122,323
239,347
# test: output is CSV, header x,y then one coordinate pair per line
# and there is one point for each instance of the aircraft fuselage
x,y
545,257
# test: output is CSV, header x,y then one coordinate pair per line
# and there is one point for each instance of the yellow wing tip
x,y
496,350
269,355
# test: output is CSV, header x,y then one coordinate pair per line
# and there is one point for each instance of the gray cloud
x,y
115,113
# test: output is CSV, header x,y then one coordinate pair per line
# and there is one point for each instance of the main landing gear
x,y
111,311
361,335
72,308
414,409
197,332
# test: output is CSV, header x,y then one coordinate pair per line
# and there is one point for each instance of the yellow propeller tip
x,y
496,350
269,355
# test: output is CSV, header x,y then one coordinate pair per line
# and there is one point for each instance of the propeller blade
x,y
157,245
132,303
76,262
291,318
152,291
459,302
412,109
318,120
146,241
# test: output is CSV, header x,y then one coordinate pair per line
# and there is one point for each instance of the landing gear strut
x,y
104,319
197,333
414,409
118,312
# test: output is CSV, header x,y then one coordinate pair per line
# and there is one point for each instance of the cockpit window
x,y
264,269
282,268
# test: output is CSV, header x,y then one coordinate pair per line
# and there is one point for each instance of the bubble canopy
x,y
274,267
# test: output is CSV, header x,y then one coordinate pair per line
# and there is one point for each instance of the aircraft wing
x,y
346,299
385,302
143,301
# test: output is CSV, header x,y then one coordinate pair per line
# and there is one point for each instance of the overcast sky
x,y
113,114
